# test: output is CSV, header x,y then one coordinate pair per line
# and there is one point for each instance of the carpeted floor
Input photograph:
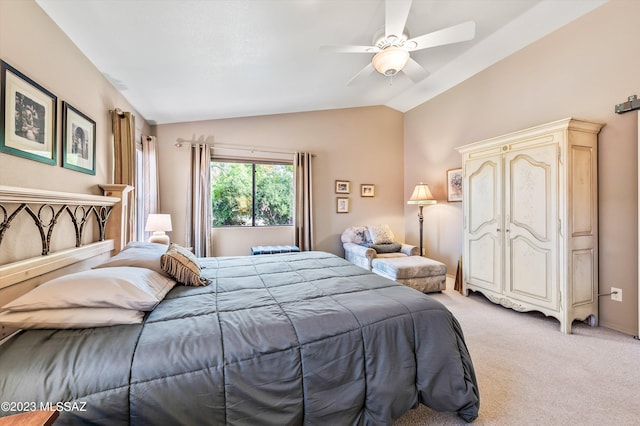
x,y
529,373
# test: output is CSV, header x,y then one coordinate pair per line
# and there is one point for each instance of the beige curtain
x,y
199,201
148,188
124,153
303,199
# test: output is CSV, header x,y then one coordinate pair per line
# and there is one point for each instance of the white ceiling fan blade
x,y
395,16
457,33
362,74
348,49
415,71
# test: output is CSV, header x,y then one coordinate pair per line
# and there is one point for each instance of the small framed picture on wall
x,y
454,185
343,187
367,190
78,141
342,205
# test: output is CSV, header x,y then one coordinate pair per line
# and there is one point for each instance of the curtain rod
x,y
181,142
632,104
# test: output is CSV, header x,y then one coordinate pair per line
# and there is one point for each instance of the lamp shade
x,y
421,195
390,60
158,222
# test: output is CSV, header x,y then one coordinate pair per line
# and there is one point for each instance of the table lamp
x,y
159,224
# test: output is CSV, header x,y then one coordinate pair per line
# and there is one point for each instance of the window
x,y
251,194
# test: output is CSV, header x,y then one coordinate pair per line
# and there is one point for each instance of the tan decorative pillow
x,y
380,234
182,265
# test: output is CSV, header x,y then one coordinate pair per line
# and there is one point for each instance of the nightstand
x,y
31,418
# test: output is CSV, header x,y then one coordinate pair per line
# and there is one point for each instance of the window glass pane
x,y
274,194
233,185
140,192
231,194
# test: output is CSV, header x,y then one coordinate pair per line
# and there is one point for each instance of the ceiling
x,y
188,60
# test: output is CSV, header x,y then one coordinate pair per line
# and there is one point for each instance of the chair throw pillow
x,y
380,234
387,247
355,235
182,265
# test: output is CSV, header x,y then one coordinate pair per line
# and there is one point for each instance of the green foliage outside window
x,y
232,193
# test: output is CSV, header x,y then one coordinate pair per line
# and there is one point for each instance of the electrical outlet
x,y
616,294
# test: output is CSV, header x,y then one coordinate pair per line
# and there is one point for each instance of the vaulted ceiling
x,y
187,60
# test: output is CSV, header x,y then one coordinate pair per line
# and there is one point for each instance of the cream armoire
x,y
530,204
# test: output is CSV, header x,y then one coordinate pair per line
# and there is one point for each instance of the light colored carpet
x,y
529,373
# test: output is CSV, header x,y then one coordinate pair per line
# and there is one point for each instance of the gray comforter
x,y
277,339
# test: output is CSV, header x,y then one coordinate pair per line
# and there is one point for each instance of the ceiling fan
x,y
392,45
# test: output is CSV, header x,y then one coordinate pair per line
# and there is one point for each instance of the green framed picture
x,y
78,140
28,118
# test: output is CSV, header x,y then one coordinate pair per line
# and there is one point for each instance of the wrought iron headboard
x,y
52,205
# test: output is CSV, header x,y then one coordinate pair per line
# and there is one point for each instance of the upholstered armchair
x,y
362,244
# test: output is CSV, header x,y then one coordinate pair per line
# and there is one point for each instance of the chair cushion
x,y
384,248
388,255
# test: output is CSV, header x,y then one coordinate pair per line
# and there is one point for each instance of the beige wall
x,y
362,145
33,44
581,70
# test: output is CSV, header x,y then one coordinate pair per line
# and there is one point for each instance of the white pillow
x,y
139,257
146,246
71,318
380,234
118,287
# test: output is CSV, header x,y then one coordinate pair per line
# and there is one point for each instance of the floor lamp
x,y
422,197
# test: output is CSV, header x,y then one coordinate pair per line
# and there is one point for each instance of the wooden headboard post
x,y
119,221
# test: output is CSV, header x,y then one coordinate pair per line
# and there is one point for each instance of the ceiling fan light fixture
x,y
390,60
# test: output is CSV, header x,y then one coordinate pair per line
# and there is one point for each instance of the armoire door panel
x,y
483,194
582,191
531,215
583,283
529,196
484,262
531,273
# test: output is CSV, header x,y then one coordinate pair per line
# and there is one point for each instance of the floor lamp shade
x,y
159,224
421,196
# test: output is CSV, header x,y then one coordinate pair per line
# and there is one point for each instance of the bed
x,y
275,339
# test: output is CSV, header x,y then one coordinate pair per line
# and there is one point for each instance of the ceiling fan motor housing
x,y
381,41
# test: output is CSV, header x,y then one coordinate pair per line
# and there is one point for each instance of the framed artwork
x,y
28,119
454,185
78,140
342,205
367,190
343,187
